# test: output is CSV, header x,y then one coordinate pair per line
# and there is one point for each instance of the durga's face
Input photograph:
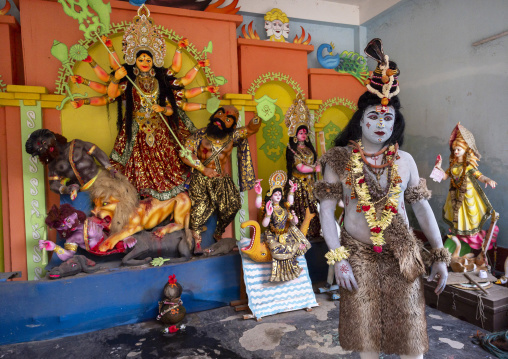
x,y
144,63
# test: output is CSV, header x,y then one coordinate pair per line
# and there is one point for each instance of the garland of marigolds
x,y
360,189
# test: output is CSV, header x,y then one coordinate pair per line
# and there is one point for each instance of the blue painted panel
x,y
39,310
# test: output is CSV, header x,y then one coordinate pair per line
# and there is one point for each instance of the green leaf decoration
x,y
89,23
2,85
103,10
220,80
273,134
208,49
59,50
331,131
212,104
78,52
157,262
265,107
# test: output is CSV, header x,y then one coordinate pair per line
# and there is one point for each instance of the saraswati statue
x,y
466,208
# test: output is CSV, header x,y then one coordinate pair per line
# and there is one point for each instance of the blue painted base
x,y
46,309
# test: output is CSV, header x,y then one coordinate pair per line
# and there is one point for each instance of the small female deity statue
x,y
467,208
285,240
301,163
145,150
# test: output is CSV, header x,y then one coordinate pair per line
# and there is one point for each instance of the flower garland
x,y
360,190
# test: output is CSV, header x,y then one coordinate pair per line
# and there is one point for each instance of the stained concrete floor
x,y
223,334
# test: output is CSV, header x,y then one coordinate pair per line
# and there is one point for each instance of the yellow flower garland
x,y
377,226
336,255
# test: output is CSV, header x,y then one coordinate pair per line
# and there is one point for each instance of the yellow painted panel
x,y
266,164
50,104
27,96
6,95
237,96
29,102
333,120
27,89
52,97
13,103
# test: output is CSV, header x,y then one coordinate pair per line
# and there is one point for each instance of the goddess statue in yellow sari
x,y
467,208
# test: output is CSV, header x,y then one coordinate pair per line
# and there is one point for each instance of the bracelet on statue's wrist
x,y
115,81
199,166
62,189
86,101
71,247
437,255
336,255
58,249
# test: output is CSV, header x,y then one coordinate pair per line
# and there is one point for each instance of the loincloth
x,y
217,194
387,312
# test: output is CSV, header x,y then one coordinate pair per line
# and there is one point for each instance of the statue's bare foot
x,y
197,243
130,242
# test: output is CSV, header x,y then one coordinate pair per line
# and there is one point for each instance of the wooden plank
x,y
240,308
457,278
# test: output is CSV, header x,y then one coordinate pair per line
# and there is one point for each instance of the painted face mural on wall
x,y
276,25
377,123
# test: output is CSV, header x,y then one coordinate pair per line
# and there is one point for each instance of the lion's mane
x,y
120,188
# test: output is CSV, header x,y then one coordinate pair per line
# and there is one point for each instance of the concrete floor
x,y
223,334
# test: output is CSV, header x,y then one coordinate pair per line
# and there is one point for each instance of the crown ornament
x,y
467,136
277,180
297,115
143,35
384,81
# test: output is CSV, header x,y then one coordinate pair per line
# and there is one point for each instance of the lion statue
x,y
117,206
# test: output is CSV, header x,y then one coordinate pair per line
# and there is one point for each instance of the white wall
x,y
444,79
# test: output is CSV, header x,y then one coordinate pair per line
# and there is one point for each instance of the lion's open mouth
x,y
103,222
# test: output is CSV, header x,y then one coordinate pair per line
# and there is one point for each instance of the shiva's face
x,y
144,63
377,124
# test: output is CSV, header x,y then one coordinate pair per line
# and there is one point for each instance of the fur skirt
x,y
387,312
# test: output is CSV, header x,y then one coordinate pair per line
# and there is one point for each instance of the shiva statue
x,y
467,208
377,259
211,187
285,240
276,25
302,165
